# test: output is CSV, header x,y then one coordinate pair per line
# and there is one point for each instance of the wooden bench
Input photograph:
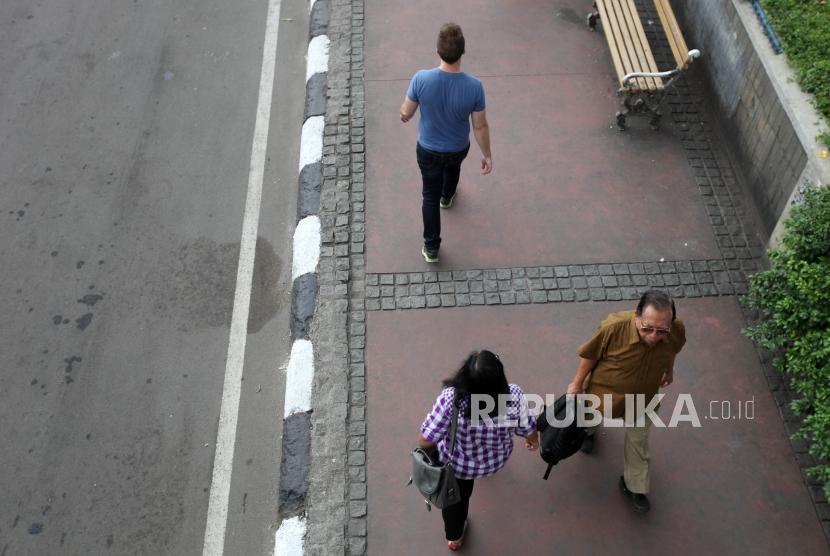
x,y
642,85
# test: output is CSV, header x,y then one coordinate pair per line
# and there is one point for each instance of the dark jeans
x,y
455,515
439,172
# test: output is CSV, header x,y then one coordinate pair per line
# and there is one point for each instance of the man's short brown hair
x,y
450,43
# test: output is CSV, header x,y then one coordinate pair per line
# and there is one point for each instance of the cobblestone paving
x,y
338,487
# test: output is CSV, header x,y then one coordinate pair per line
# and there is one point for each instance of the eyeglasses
x,y
646,328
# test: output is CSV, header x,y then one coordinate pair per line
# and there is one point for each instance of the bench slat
x,y
609,23
641,46
629,56
673,33
628,44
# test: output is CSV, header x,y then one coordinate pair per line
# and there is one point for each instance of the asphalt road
x,y
125,144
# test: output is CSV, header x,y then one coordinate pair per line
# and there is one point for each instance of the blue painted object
x,y
762,17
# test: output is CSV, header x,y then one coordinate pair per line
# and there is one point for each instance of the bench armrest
x,y
694,53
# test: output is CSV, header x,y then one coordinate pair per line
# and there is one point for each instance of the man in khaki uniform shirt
x,y
632,352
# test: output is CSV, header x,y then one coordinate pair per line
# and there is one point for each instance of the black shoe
x,y
638,501
588,444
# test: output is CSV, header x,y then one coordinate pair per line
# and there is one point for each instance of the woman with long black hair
x,y
490,412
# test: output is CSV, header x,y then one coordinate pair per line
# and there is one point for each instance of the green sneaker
x,y
447,203
429,255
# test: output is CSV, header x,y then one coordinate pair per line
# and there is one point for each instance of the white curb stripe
x,y
318,56
306,247
217,513
289,538
299,376
311,141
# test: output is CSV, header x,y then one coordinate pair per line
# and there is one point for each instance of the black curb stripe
x,y
303,298
319,19
308,197
296,430
296,457
315,95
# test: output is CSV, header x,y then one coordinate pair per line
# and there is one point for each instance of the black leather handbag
x,y
436,482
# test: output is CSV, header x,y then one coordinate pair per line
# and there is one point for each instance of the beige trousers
x,y
636,457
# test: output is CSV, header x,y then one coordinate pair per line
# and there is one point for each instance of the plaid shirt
x,y
481,448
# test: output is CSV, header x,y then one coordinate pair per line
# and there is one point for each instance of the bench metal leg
x,y
640,103
592,18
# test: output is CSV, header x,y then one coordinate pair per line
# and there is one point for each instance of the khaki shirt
x,y
625,365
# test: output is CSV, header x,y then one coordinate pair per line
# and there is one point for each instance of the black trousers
x,y
455,515
439,173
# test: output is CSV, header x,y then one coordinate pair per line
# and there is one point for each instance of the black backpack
x,y
558,443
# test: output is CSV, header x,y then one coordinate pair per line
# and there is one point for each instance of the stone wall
x,y
770,145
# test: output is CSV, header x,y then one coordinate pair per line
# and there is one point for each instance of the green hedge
x,y
804,29
792,299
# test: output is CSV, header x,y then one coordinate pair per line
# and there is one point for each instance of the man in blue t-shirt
x,y
449,99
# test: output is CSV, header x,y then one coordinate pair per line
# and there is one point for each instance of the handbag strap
x,y
453,426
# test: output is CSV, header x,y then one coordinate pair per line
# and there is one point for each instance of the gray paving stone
x,y
655,281
594,282
476,299
447,287
507,298
597,294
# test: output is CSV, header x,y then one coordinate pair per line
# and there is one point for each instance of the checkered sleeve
x,y
437,423
527,422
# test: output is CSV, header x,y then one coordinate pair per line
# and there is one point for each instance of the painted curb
x,y
296,437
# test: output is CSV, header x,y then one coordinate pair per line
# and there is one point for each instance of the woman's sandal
x,y
456,545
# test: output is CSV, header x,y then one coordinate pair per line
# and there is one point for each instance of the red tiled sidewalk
x,y
729,487
568,188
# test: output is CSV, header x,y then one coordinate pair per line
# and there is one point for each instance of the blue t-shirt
x,y
446,101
